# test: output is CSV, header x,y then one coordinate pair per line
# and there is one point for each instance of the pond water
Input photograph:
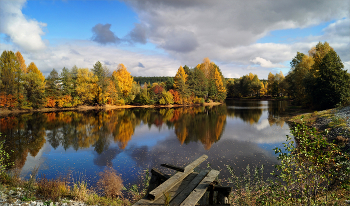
x,y
82,144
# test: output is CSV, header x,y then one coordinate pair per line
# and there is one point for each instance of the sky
x,y
155,37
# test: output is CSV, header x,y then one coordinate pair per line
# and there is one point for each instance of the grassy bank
x,y
313,170
109,190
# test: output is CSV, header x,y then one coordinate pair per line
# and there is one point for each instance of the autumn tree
x,y
180,84
221,90
9,69
123,79
86,85
35,86
22,62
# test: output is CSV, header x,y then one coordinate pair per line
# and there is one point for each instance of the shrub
x,y
110,183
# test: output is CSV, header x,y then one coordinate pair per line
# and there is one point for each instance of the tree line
x,y
25,87
316,80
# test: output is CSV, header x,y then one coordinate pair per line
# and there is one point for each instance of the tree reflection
x,y
22,135
27,133
200,124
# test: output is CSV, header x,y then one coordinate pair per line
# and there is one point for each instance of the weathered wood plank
x,y
193,184
173,167
199,191
172,192
175,179
157,178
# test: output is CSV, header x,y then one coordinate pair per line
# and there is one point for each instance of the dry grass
x,y
52,189
110,183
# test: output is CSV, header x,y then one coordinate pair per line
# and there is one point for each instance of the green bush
x,y
310,173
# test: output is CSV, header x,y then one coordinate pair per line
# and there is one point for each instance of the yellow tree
x,y
270,81
33,68
180,84
251,76
206,67
124,80
86,85
34,85
221,95
22,62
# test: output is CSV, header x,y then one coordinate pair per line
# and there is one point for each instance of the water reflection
x,y
134,139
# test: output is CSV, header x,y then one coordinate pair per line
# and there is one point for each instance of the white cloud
x,y
225,30
265,63
84,54
23,32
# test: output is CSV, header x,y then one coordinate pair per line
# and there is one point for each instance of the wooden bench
x,y
186,187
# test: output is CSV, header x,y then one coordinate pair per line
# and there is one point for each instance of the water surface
x,y
82,144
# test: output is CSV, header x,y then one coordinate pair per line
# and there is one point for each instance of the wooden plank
x,y
173,192
197,193
173,167
187,191
175,179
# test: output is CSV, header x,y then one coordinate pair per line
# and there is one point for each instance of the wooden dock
x,y
186,187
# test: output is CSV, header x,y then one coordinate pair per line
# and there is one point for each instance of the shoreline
x,y
6,112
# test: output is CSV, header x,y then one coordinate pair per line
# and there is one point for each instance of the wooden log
x,y
187,191
172,181
180,169
199,191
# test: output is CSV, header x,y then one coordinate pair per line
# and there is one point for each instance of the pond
x,y
82,143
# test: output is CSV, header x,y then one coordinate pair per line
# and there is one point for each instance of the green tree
x,y
101,73
198,83
9,72
34,85
332,84
53,84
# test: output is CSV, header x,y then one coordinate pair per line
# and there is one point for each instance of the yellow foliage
x,y
86,85
124,79
21,61
218,82
33,68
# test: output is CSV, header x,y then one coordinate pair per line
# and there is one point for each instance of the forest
x,y
316,80
26,88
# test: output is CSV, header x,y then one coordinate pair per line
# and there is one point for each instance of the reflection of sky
x,y
241,144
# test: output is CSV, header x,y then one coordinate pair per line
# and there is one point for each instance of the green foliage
x,y
247,186
332,84
4,157
311,167
35,88
311,172
52,88
8,68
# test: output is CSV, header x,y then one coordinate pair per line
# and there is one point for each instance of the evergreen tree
x,y
53,85
332,84
67,82
101,73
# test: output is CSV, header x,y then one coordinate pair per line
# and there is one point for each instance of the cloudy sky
x,y
155,37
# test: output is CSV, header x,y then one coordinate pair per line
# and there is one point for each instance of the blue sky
x,y
155,37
